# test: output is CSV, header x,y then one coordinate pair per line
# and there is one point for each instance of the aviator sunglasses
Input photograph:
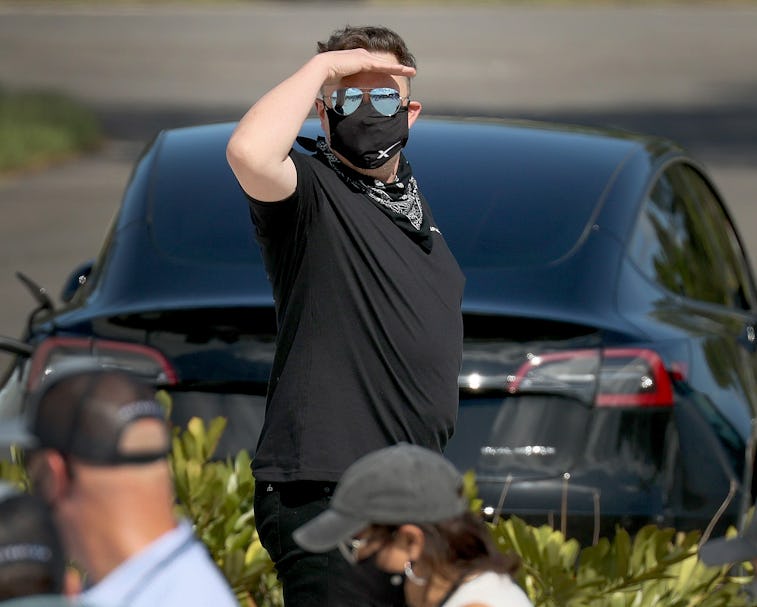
x,y
345,101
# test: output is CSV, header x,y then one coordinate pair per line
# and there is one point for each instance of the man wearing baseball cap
x,y
97,443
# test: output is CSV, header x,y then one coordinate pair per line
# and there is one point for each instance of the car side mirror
x,y
76,280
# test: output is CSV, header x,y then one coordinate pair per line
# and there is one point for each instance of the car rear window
x,y
501,196
197,209
509,197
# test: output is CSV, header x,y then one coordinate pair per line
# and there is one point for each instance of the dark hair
x,y
465,543
461,545
376,39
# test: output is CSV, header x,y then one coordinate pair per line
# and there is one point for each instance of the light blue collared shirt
x,y
174,571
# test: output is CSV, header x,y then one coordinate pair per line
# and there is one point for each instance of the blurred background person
x,y
400,517
32,563
98,443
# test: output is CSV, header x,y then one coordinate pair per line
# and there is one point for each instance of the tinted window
x,y
544,435
685,242
509,197
723,244
502,196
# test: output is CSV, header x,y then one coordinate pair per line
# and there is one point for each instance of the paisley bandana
x,y
401,200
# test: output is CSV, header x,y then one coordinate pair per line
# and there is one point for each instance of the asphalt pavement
x,y
682,71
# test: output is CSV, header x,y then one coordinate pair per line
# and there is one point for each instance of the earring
x,y
411,575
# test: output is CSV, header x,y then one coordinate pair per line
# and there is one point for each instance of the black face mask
x,y
384,588
367,138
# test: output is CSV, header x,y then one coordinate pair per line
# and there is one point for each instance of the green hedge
x,y
37,128
655,567
217,496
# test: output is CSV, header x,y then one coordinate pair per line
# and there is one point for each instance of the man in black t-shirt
x,y
367,293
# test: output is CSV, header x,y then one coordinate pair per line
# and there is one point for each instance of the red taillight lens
x,y
143,361
634,377
614,377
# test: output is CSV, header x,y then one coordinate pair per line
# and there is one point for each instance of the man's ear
x,y
413,111
320,109
49,475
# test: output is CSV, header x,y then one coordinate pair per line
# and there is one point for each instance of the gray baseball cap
x,y
392,486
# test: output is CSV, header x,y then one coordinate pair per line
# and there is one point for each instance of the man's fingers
x,y
395,70
355,61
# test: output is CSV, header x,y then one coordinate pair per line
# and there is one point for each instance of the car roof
x,y
517,202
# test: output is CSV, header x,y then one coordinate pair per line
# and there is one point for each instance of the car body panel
x,y
554,227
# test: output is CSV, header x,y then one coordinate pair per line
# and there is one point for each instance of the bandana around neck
x,y
401,200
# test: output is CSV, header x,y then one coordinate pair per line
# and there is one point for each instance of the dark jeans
x,y
307,579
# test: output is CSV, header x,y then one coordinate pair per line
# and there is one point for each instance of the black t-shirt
x,y
370,330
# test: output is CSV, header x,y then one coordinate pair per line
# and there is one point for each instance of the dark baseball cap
x,y
31,552
82,408
392,486
724,550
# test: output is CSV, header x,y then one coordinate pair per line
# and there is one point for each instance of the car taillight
x,y
143,361
614,377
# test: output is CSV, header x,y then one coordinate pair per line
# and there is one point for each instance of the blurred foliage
x,y
13,471
436,3
655,567
37,128
218,497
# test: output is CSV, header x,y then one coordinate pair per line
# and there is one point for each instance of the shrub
x,y
217,496
655,567
12,471
37,128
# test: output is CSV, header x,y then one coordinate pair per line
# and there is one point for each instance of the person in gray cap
x,y
400,517
31,554
98,442
733,550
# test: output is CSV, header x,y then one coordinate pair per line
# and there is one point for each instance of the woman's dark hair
x,y
463,544
376,39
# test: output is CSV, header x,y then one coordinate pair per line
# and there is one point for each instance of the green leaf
x,y
654,568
